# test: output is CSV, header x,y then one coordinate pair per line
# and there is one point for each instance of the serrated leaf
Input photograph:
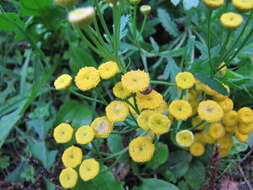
x,y
212,83
188,4
175,2
168,24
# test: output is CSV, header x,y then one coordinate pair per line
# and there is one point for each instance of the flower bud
x,y
81,16
134,2
145,9
65,3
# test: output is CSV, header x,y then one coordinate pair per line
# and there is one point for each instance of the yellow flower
x,y
108,70
224,152
180,109
162,108
62,82
230,129
214,4
143,119
196,120
89,169
149,101
206,89
245,129
63,133
231,20
206,138
102,127
197,149
84,135
216,130
245,115
227,105
117,111
120,92
230,118
141,149
68,178
72,157
65,3
243,5
225,142
159,123
81,16
87,78
135,81
185,80
185,138
210,111
241,137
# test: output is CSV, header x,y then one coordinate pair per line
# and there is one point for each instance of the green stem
x,y
196,126
239,36
242,45
114,155
209,41
97,150
143,24
224,46
124,131
86,97
134,24
162,83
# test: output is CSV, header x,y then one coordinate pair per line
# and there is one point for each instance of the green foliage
x,y
156,184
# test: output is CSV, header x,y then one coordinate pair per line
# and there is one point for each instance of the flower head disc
x,y
120,92
231,20
159,123
117,111
63,133
149,101
72,157
227,105
102,127
143,119
87,78
245,128
185,138
245,115
210,111
180,109
141,149
185,80
108,70
197,149
243,5
135,81
62,82
216,130
81,16
230,118
84,135
89,169
68,178
214,4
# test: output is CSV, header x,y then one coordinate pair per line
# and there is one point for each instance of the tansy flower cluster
x,y
231,20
